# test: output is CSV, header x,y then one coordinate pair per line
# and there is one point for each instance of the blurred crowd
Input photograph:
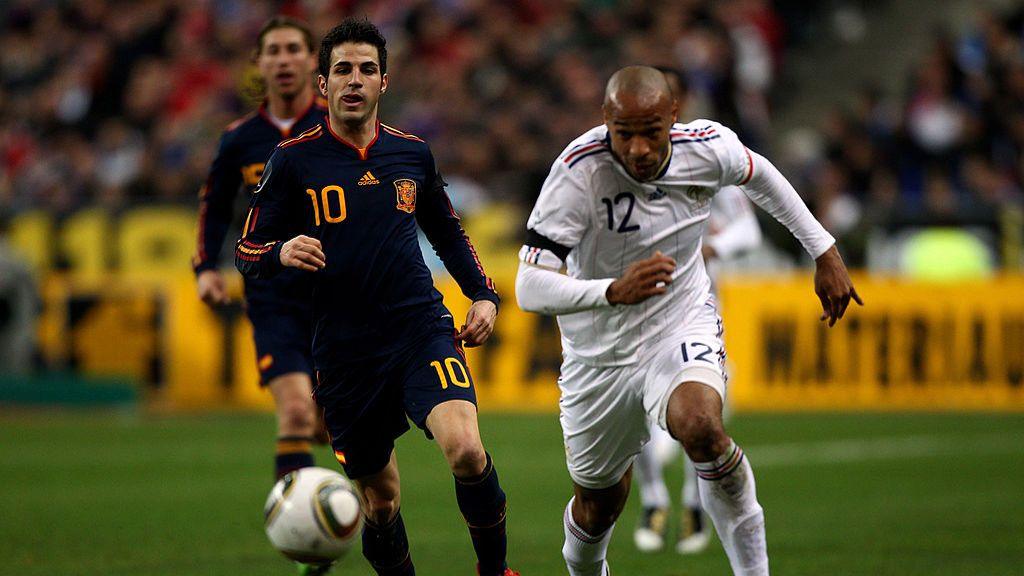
x,y
112,103
948,151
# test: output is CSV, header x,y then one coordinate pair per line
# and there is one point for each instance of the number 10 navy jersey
x,y
375,293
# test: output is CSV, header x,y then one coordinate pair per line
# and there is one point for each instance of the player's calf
x,y
385,542
589,521
483,505
386,547
477,489
597,510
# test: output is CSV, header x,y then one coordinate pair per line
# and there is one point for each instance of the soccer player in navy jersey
x,y
278,308
343,201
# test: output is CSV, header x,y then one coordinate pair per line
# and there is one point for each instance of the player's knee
x,y
380,509
296,416
703,437
466,458
599,514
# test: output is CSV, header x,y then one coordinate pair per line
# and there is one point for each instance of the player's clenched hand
x,y
304,253
833,286
479,323
643,279
211,288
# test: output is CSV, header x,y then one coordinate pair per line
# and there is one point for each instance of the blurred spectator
x,y
111,102
115,102
951,154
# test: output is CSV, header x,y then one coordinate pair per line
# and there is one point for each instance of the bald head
x,y
640,88
639,110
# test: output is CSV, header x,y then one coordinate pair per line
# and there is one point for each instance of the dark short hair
x,y
359,30
285,22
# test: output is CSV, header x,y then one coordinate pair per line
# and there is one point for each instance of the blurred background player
x,y
732,229
384,344
278,308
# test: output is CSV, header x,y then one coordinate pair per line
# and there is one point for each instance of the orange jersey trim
x,y
311,134
396,132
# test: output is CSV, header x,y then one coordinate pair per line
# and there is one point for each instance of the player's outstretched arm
x,y
440,224
770,190
833,286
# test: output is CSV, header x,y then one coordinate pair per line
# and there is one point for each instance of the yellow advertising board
x,y
915,345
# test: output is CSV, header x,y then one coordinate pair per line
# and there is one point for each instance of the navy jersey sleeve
x,y
216,198
440,223
270,222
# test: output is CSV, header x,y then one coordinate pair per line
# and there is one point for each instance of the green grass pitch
x,y
114,494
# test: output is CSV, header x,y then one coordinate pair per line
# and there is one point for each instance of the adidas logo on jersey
x,y
368,179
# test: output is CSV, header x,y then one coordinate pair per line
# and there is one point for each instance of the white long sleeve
x,y
546,291
770,190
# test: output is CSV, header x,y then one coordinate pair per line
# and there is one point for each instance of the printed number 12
x,y
624,225
701,356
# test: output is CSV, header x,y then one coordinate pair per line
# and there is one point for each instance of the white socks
x,y
691,493
584,554
729,496
653,492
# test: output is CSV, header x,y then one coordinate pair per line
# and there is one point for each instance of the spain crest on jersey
x,y
405,190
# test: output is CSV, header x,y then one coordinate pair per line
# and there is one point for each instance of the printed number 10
x,y
325,200
450,364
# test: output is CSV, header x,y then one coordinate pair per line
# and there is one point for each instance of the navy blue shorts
x,y
283,337
366,405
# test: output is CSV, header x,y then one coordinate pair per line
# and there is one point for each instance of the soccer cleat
x,y
650,532
313,569
508,571
696,533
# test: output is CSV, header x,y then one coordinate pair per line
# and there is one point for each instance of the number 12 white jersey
x,y
599,220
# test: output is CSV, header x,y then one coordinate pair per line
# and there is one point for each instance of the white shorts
x,y
606,411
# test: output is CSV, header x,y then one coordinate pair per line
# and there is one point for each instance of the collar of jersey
x,y
270,120
363,153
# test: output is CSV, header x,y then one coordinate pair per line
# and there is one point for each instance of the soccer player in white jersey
x,y
624,208
731,230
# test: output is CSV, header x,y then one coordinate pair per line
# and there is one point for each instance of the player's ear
x,y
383,83
675,110
321,82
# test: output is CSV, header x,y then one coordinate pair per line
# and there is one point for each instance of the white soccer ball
x,y
312,515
